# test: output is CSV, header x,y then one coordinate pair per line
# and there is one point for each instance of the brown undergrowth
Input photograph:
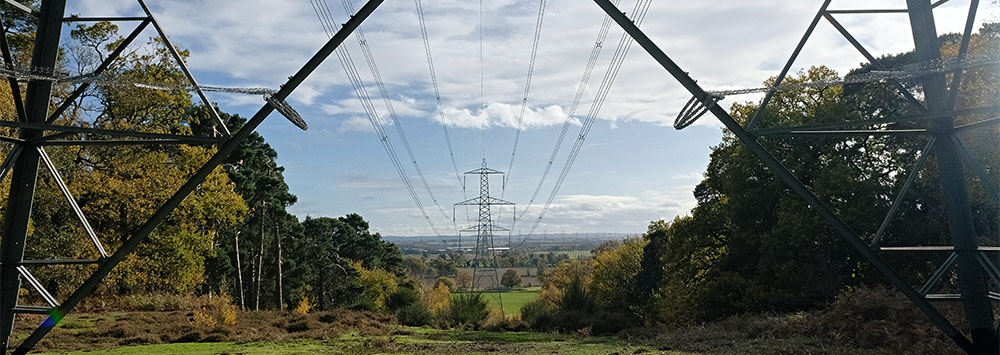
x,y
865,320
88,331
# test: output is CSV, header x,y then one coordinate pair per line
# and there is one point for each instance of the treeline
x,y
231,237
752,246
447,264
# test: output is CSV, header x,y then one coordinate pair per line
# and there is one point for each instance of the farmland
x,y
512,300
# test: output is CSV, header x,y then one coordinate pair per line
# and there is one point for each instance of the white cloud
x,y
356,124
724,44
505,115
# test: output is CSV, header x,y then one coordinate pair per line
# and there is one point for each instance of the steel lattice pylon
x,y
485,249
974,270
34,121
973,267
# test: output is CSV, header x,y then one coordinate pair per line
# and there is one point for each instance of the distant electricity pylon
x,y
38,127
484,261
975,274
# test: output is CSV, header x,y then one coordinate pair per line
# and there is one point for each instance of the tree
x,y
118,188
439,300
463,280
443,280
615,272
442,267
750,245
378,285
323,251
557,279
416,267
510,279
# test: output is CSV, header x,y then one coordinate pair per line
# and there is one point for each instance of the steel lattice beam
x,y
974,294
24,166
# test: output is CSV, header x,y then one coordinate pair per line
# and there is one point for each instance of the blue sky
x,y
634,167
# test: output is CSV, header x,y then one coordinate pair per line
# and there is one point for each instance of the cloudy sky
x,y
634,167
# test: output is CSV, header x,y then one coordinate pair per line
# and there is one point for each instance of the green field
x,y
512,300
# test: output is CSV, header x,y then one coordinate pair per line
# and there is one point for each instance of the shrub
x,y
447,281
576,298
414,315
217,310
498,323
468,309
400,299
406,305
378,284
303,307
299,326
439,300
203,318
880,318
537,315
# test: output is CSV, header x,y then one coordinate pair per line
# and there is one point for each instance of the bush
x,y
498,323
880,318
447,281
402,298
217,310
468,309
303,307
414,315
537,315
576,298
439,300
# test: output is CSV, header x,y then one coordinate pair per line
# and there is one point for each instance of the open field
x,y
405,341
512,300
346,332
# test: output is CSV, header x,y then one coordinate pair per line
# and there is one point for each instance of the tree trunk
x,y
239,272
260,262
322,287
281,296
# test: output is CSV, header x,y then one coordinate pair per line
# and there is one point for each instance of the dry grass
x,y
95,332
881,318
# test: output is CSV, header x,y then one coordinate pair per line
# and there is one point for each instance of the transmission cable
x,y
440,107
482,82
437,91
595,53
326,20
527,87
640,9
380,84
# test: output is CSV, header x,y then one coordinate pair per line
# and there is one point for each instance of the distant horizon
x,y
386,236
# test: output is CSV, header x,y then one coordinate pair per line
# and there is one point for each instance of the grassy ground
x,y
345,332
512,300
405,341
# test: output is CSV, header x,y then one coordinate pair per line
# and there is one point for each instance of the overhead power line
x,y
380,84
595,53
482,81
440,105
527,88
326,20
640,9
437,90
